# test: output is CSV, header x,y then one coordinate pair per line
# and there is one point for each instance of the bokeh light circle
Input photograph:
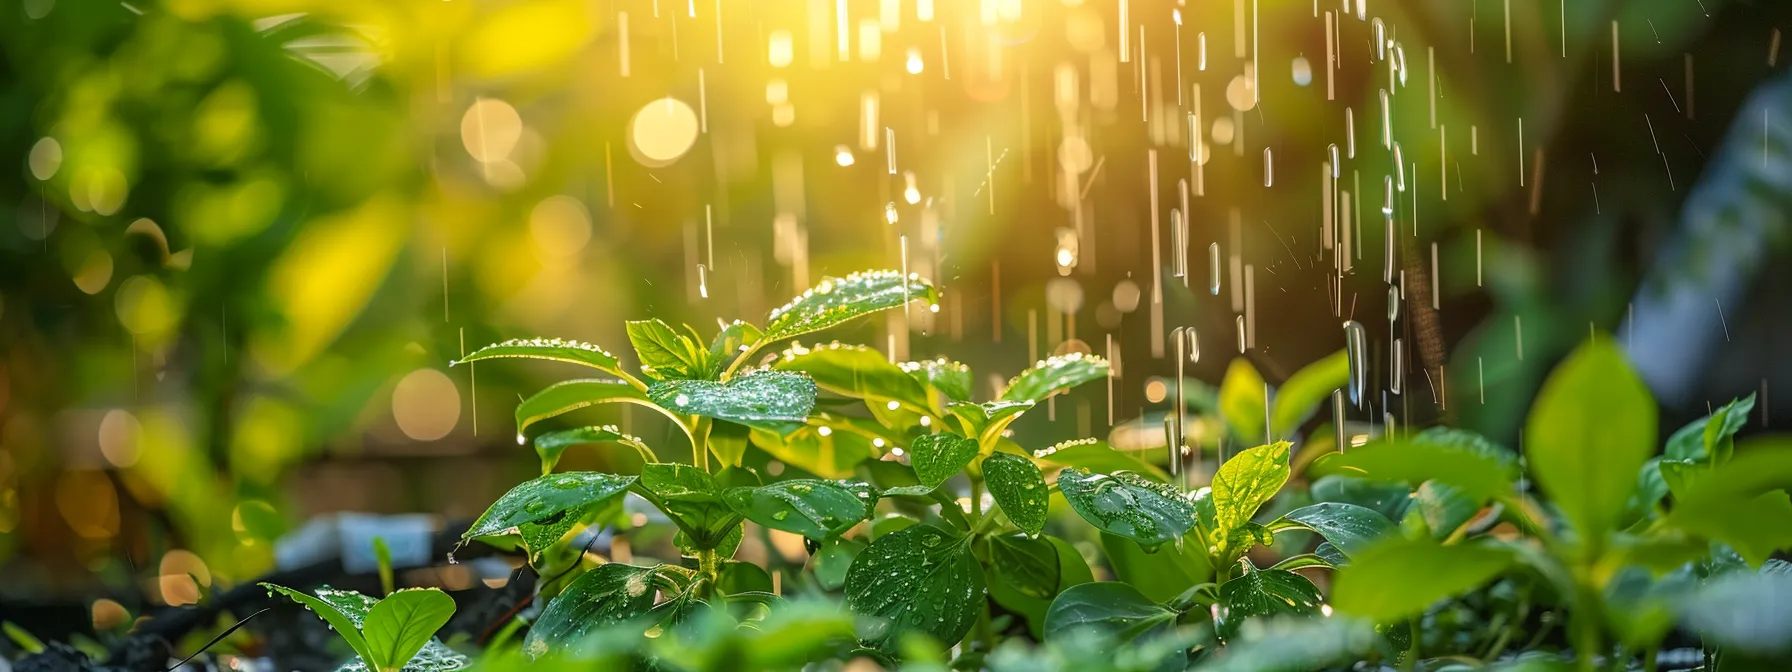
x,y
661,132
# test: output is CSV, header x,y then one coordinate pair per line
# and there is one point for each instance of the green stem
x,y
1412,651
976,498
709,570
1649,664
700,441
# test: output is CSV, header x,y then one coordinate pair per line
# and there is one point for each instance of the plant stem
x,y
1412,652
700,442
1649,664
976,498
709,566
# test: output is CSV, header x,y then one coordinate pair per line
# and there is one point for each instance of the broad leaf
x,y
942,375
1115,611
1055,373
854,371
1129,505
1745,612
567,396
608,595
1754,526
920,578
937,457
1709,436
665,353
832,561
760,398
1026,573
1019,488
1242,396
728,441
1438,509
545,508
1349,527
573,352
1590,430
1398,578
826,450
838,300
1388,499
1246,481
552,445
1477,475
1306,391
1160,575
1097,456
402,623
1262,592
692,499
349,628
1288,645
814,508
735,339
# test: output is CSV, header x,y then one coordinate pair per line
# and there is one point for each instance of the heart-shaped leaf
x,y
854,371
401,624
1262,592
1591,429
1349,527
1095,455
814,508
552,445
937,457
759,398
838,300
1246,481
665,353
1114,611
612,593
920,578
571,395
1129,505
1019,488
545,508
1398,578
942,375
1050,375
692,499
573,352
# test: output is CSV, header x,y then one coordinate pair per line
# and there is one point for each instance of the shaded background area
x,y
245,239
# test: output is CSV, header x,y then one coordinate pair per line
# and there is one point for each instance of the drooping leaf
x,y
1248,480
1097,456
920,578
552,445
1242,399
945,376
760,398
1264,592
1590,430
854,371
1398,578
545,508
573,352
692,499
402,623
1019,488
572,395
1349,527
1113,610
1160,575
814,508
665,353
608,595
349,628
1055,373
937,457
838,300
1129,505
1306,391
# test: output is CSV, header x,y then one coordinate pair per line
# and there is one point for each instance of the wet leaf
x,y
942,375
814,508
1590,430
349,628
692,499
1440,509
937,457
920,578
854,371
1026,573
402,623
1054,374
665,353
1115,611
567,396
1388,499
1097,456
1264,592
1246,481
731,342
608,595
573,352
1704,438
552,445
1019,488
760,398
1349,527
832,561
1479,476
838,300
1398,578
545,508
988,420
1128,505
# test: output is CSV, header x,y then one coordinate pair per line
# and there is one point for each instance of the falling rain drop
x,y
1269,168
1399,372
1393,304
1241,341
1213,269
1356,352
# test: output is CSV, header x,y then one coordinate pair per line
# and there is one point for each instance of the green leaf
x,y
734,340
1242,395
944,376
1263,592
1711,435
1590,430
568,396
1398,578
1026,573
1349,527
833,454
833,560
918,579
814,508
1388,499
1412,463
1248,480
1306,391
1744,612
612,593
854,371
348,627
1160,575
1019,488
1439,509
552,445
665,353
728,440
1116,612
691,498
838,300
1295,645
1754,526
760,398
572,352
400,625
1129,505
937,457
545,508
988,420
1097,456
1054,374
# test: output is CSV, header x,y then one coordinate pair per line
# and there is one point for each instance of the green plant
x,y
387,635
